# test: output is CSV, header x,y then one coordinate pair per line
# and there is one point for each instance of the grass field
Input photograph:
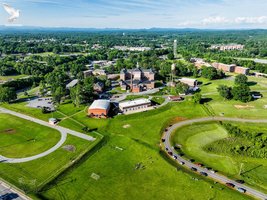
x,y
196,139
21,138
136,172
30,176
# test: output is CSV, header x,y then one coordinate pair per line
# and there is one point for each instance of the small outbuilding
x,y
53,121
99,109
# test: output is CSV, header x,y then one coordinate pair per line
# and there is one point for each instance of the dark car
x,y
231,185
240,181
194,169
175,157
166,129
167,149
163,140
170,153
203,173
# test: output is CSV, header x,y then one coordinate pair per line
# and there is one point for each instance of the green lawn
x,y
7,78
30,176
21,138
133,97
139,135
197,139
120,179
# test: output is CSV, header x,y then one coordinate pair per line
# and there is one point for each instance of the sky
x,y
132,14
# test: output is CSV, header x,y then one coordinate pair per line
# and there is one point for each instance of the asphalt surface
x,y
215,176
7,192
64,132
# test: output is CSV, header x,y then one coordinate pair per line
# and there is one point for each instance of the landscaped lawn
x,y
30,176
21,138
197,138
130,169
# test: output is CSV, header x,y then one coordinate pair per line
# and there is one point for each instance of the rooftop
x,y
134,103
72,83
100,104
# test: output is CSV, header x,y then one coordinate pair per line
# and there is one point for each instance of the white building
x,y
135,105
72,84
189,81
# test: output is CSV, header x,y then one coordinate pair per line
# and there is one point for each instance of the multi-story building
x,y
224,67
228,47
137,79
231,68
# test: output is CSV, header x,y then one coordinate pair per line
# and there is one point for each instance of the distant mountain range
x,y
68,29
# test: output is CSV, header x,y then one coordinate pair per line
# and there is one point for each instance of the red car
x,y
231,185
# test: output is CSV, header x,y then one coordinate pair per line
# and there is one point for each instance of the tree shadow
x,y
206,100
251,83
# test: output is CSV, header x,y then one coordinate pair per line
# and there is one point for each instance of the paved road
x,y
215,176
7,192
64,132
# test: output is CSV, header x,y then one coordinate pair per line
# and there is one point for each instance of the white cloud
x,y
220,20
215,20
251,20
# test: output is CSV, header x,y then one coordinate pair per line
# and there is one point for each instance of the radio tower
x,y
175,49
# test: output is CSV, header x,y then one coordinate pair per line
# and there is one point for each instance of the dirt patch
x,y
8,131
70,148
127,126
177,119
244,106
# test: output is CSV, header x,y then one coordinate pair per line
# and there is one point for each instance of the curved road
x,y
64,132
215,176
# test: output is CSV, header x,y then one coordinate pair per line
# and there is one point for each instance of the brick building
x,y
99,109
137,79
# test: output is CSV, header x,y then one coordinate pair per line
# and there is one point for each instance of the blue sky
x,y
140,13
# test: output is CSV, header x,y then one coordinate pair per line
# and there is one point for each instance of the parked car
x,y
170,153
181,163
203,173
175,157
194,169
163,140
213,171
231,185
242,190
240,181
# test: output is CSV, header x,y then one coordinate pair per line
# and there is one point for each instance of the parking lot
x,y
42,103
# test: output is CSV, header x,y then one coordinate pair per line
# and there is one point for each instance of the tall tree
x,y
225,91
241,79
7,94
241,93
